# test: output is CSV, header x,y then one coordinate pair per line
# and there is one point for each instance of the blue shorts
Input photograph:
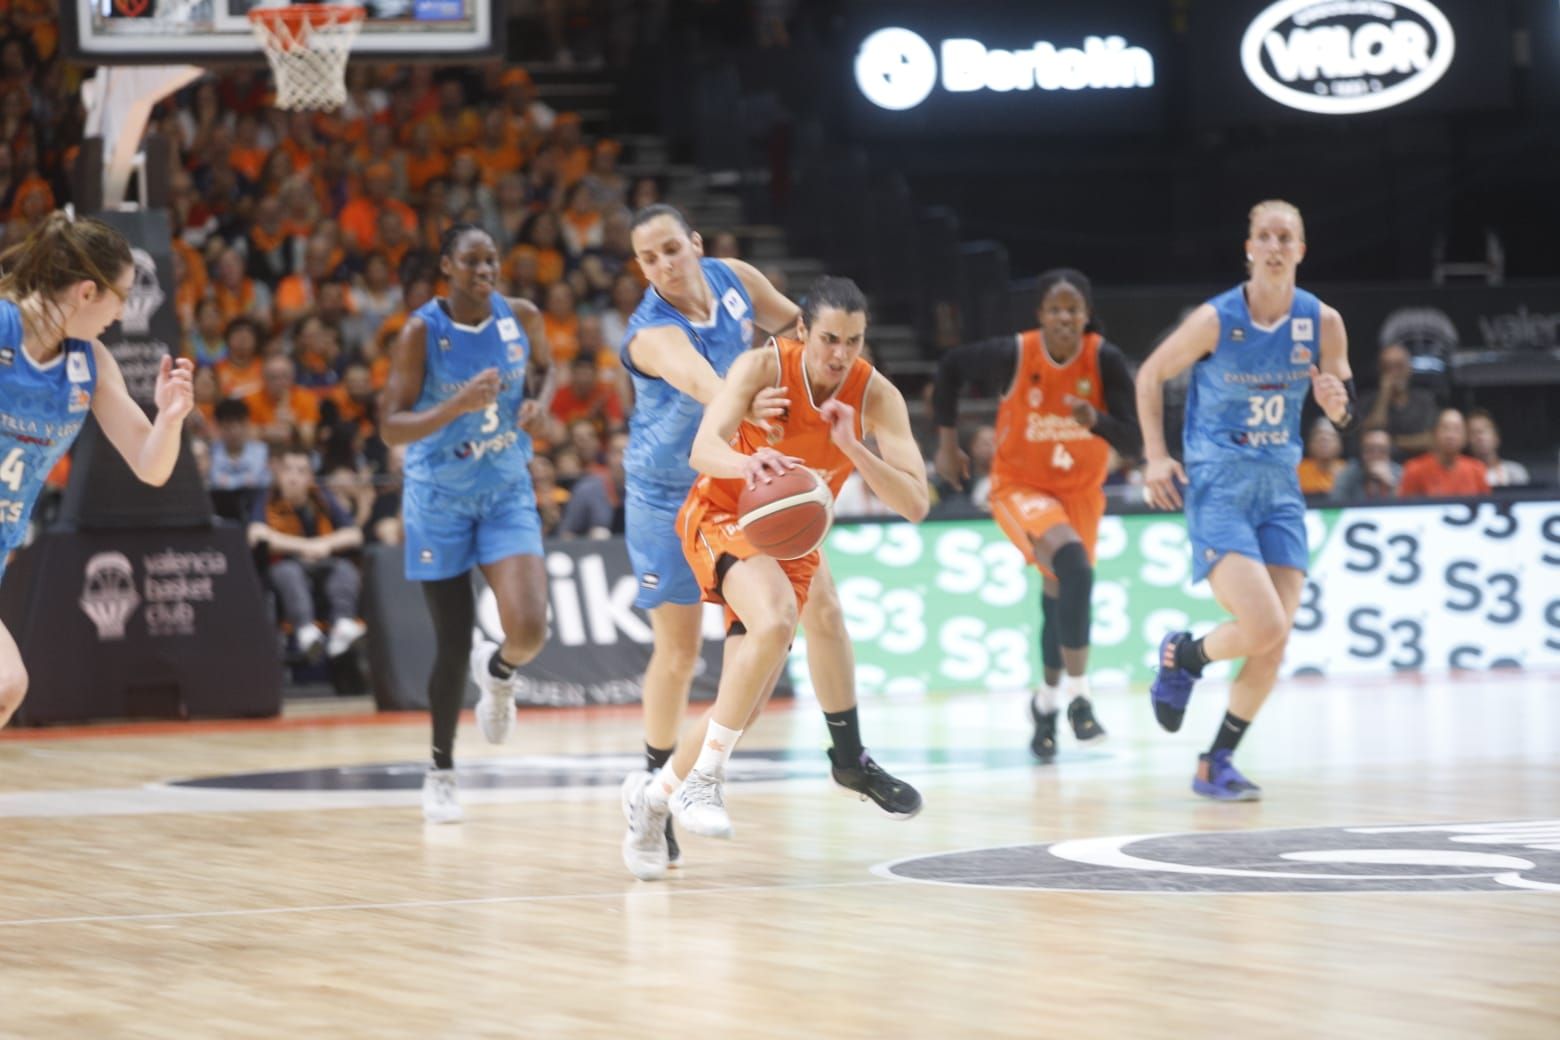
x,y
447,535
655,548
1256,511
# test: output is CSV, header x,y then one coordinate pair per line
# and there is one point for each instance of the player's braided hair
x,y
452,237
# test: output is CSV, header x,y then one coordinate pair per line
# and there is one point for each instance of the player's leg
x,y
1066,551
761,595
1217,776
509,551
831,662
650,845
452,607
13,676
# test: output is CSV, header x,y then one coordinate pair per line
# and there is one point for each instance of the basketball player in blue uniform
x,y
696,318
456,396
1255,352
62,286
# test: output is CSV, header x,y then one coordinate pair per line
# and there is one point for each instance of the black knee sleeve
x,y
1050,632
1075,574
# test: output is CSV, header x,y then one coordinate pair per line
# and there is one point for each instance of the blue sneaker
x,y
1218,778
1172,687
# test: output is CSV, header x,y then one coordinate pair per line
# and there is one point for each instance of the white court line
x,y
637,891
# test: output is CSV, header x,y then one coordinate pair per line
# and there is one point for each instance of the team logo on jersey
x,y
516,353
1302,328
1085,387
76,369
80,400
508,329
444,343
7,356
1035,396
1301,355
426,556
1237,335
734,304
747,330
651,581
108,594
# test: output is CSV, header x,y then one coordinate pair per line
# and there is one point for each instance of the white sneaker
x,y
644,846
309,639
441,797
700,804
343,634
496,709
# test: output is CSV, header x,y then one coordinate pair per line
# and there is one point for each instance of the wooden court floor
x,y
1401,879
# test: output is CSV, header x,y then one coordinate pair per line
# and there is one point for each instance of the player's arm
x,y
773,311
408,361
1332,382
992,361
664,352
1117,424
540,373
898,475
1193,340
151,447
712,452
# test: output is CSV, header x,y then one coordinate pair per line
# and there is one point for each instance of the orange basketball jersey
x,y
800,431
1038,441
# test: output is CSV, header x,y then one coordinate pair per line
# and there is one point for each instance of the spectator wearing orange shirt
x,y
360,218
283,411
581,224
498,149
562,323
425,160
237,293
238,374
1323,458
587,396
295,294
1444,471
543,235
455,125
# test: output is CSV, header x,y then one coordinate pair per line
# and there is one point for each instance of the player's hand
x,y
1083,413
953,465
531,415
769,403
1330,394
765,464
841,418
175,393
1159,483
479,392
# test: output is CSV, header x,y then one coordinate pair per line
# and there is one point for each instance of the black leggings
x,y
453,607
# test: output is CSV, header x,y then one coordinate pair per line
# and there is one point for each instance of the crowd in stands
x,y
303,242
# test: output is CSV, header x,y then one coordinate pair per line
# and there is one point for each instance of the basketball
x,y
788,517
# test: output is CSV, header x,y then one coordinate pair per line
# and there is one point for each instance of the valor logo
x,y
1341,57
1460,857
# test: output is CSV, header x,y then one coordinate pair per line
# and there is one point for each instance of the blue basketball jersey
x,y
661,429
42,408
1245,398
480,451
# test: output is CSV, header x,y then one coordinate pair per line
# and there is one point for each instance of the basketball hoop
x,y
307,46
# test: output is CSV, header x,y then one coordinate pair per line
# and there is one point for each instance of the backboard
x,y
202,32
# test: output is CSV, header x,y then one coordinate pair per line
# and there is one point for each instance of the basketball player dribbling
x,y
1254,352
836,398
1067,400
62,286
456,397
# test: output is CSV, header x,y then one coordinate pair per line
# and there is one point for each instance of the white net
x,y
307,46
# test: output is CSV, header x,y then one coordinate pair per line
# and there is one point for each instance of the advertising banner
x,y
951,606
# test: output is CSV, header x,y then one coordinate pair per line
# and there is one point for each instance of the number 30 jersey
x,y
1039,443
1245,398
42,408
480,451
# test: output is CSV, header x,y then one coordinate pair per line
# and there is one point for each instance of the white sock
x,y
1077,686
1047,698
719,742
662,786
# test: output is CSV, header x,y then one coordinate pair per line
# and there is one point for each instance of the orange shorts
x,y
1026,513
707,535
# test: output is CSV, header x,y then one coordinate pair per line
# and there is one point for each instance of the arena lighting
x,y
897,69
1342,57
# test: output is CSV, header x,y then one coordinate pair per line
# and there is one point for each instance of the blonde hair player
x,y
836,398
1254,351
63,285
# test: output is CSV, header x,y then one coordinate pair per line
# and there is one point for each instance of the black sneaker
x,y
895,797
1080,713
673,851
1044,742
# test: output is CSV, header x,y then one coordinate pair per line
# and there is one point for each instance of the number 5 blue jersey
x,y
42,408
480,451
660,432
1245,398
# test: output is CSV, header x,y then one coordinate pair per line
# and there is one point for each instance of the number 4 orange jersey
x,y
1039,444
